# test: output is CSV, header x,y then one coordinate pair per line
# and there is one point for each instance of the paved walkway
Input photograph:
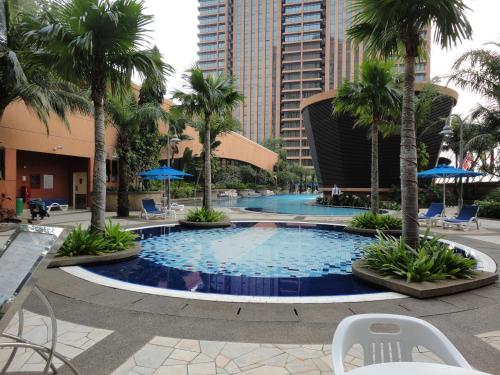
x,y
145,334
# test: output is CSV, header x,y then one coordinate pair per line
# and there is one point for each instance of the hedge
x,y
489,209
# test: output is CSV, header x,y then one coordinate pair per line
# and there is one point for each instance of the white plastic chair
x,y
390,345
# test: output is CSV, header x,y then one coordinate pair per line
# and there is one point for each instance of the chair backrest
x,y
468,212
149,205
435,209
390,338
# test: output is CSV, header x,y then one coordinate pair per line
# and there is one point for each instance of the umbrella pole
x,y
444,197
168,193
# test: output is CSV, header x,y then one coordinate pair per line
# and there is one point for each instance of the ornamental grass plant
x,y
84,242
434,260
203,215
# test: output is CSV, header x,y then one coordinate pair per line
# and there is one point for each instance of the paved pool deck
x,y
136,333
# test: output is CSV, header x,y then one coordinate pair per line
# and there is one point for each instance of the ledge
x,y
196,224
117,256
373,232
425,289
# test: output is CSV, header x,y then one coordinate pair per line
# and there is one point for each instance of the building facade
x,y
334,142
58,165
280,52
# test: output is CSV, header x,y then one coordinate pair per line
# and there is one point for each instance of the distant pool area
x,y
291,204
265,261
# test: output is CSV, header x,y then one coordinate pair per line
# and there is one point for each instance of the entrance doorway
x,y
80,190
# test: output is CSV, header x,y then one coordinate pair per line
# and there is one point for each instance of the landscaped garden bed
x,y
424,289
116,256
369,223
83,246
435,269
203,218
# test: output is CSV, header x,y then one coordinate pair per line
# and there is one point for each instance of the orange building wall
x,y
20,130
233,146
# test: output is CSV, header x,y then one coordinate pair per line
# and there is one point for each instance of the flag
x,y
467,162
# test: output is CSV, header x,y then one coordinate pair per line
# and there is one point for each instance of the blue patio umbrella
x,y
161,178
445,171
164,173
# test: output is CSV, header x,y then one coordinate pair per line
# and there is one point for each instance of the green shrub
x,y
83,242
369,220
181,189
202,215
493,196
489,209
116,238
434,193
434,260
349,200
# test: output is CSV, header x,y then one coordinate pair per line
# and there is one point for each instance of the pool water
x,y
257,258
298,204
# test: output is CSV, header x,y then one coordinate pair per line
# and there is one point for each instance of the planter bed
x,y
196,224
117,256
372,232
425,289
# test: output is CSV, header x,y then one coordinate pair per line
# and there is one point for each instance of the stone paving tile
x,y
491,338
72,340
161,355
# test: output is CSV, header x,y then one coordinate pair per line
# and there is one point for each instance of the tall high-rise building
x,y
280,52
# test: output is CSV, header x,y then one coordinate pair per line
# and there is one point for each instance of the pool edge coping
x,y
485,263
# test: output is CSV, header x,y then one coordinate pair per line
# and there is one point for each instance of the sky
x,y
174,31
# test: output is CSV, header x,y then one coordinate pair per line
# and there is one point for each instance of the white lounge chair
x,y
390,338
176,207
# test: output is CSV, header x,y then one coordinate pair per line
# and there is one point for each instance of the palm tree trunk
x,y
97,220
374,172
123,206
207,192
408,158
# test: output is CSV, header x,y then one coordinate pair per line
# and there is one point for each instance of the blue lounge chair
x,y
150,209
435,210
467,215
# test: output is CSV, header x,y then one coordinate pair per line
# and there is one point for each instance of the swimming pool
x,y
299,204
266,259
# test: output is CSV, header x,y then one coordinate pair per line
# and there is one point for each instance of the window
x,y
2,164
111,170
35,181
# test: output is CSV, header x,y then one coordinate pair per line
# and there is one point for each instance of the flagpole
x,y
461,161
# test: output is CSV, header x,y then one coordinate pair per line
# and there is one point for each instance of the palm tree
x,y
146,145
479,71
21,79
373,100
177,123
395,27
96,43
208,97
127,116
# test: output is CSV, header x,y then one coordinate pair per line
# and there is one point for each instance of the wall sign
x,y
48,181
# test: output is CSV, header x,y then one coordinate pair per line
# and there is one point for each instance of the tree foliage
x,y
96,44
374,101
23,79
395,28
208,100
